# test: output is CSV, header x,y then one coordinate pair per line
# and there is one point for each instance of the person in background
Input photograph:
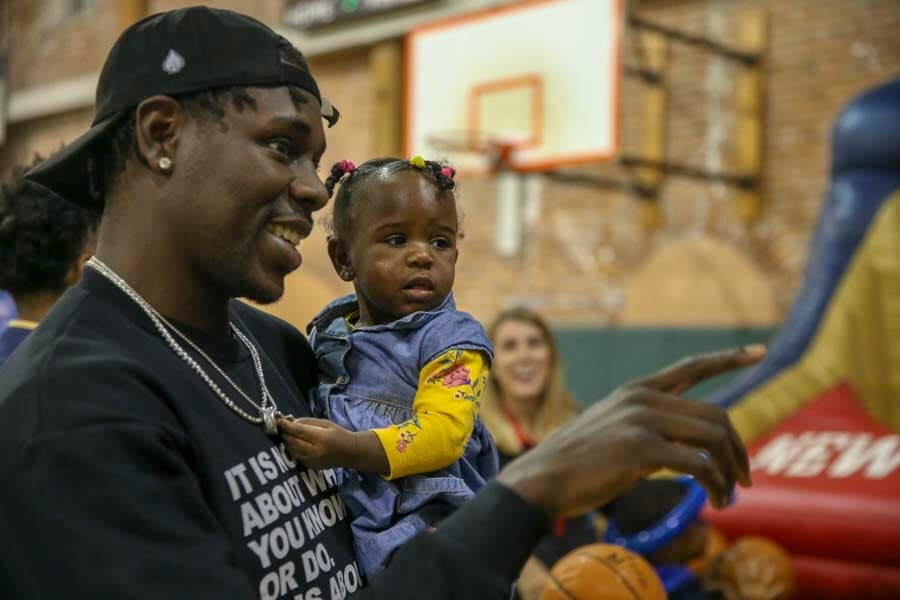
x,y
525,401
44,242
526,398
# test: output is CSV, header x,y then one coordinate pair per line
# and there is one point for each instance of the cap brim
x,y
66,173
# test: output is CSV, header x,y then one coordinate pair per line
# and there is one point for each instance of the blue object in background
x,y
7,309
865,173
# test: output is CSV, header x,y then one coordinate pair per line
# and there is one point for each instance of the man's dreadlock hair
x,y
348,199
208,105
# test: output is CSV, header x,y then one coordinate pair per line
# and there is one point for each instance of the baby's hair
x,y
352,179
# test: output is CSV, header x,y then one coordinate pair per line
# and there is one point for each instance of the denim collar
x,y
346,304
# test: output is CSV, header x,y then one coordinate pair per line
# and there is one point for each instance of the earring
x,y
346,273
165,163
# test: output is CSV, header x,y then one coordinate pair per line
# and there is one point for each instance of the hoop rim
x,y
499,151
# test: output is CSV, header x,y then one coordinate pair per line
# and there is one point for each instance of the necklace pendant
x,y
268,416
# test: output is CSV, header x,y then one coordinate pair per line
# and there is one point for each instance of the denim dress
x,y
368,380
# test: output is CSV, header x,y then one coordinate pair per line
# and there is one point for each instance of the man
x,y
44,243
139,454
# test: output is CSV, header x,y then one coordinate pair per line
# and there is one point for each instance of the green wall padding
x,y
597,360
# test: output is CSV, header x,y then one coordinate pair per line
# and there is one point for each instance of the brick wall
x,y
41,136
584,246
267,11
48,43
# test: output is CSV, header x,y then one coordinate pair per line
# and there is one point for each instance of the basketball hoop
x,y
549,114
498,151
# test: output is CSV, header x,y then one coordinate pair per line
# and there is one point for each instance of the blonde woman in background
x,y
526,398
525,401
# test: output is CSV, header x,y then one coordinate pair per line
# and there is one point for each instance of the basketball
x,y
752,568
603,571
715,544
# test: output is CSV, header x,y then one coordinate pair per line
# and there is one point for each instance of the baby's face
x,y
404,250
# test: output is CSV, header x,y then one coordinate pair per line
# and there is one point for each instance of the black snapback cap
x,y
182,51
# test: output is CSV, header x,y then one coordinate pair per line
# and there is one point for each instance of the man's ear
x,y
160,121
339,252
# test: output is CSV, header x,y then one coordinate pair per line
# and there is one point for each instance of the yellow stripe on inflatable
x,y
858,341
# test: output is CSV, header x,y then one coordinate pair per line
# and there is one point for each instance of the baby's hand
x,y
318,443
321,444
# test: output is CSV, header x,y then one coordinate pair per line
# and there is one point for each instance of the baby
x,y
402,372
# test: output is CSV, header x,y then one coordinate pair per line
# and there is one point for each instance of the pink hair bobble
x,y
448,172
347,166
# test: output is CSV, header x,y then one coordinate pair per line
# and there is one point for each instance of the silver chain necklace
x,y
268,410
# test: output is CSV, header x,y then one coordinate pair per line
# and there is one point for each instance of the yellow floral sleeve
x,y
446,407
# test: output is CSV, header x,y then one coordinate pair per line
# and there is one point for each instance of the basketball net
x,y
497,150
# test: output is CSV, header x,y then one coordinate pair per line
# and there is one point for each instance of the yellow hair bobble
x,y
417,161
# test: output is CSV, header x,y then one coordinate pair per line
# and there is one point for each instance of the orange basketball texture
x,y
715,544
752,568
603,571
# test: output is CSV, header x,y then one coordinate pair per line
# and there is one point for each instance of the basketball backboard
x,y
539,75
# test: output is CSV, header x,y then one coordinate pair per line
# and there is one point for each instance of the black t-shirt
x,y
124,476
